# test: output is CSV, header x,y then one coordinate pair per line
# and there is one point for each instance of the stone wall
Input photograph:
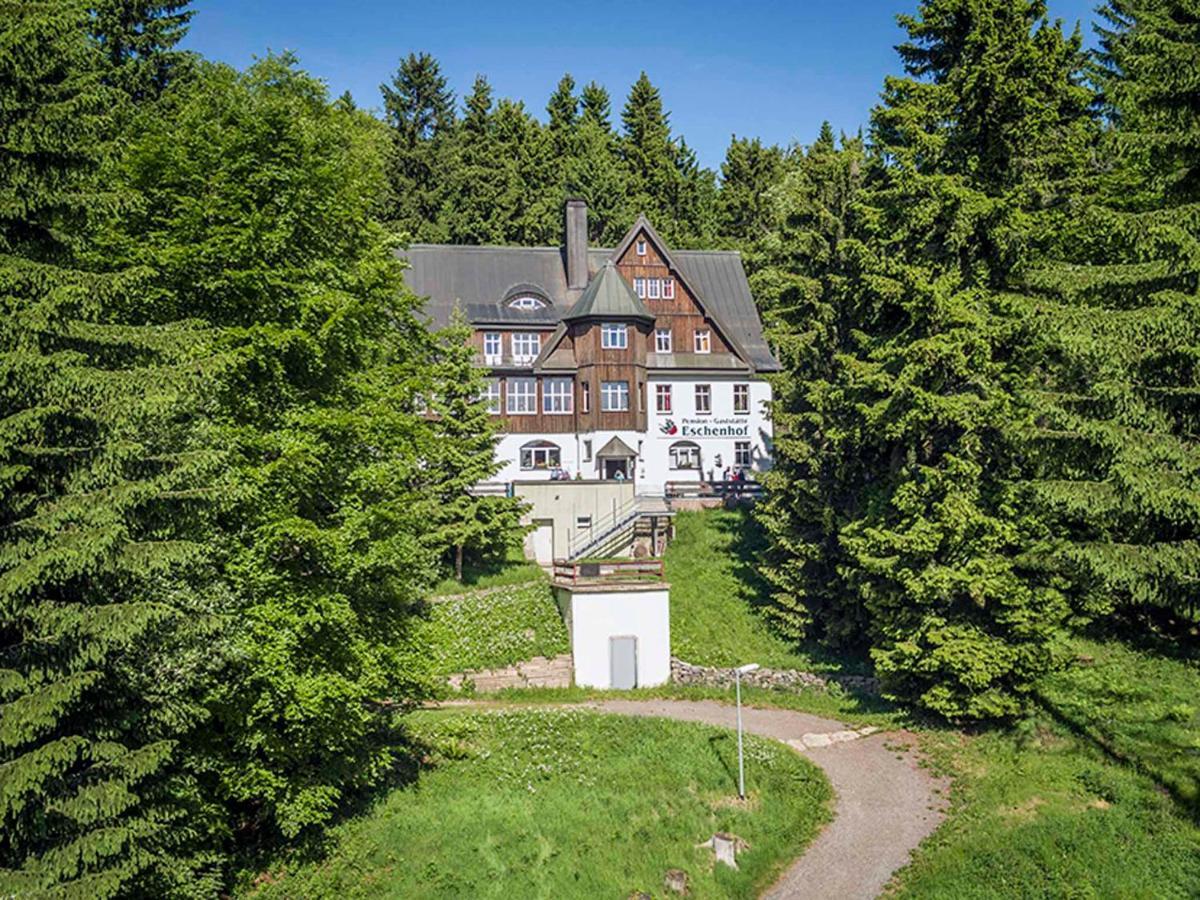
x,y
786,679
537,672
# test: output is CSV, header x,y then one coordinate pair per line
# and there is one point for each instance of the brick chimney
x,y
577,244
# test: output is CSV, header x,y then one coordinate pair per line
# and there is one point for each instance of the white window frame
x,y
526,301
614,336
492,396
662,340
639,287
550,453
587,450
702,340
612,392
705,391
522,396
655,286
641,247
586,396
493,347
662,392
528,339
742,454
678,459
558,395
668,289
741,399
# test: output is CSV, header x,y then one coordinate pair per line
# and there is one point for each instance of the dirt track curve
x,y
885,803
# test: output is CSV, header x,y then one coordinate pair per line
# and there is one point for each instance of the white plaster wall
x,y
596,617
759,430
653,446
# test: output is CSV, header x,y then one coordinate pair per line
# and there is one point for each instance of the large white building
x,y
637,362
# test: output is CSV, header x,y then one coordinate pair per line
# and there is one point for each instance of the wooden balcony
x,y
607,571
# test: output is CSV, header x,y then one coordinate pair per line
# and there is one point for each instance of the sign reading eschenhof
x,y
704,428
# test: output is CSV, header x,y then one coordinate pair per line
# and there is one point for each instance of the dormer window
x,y
614,336
527,301
641,247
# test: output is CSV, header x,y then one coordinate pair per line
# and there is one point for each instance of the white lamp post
x,y
737,680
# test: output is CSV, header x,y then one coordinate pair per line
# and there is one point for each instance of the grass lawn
x,y
717,595
563,804
514,569
1095,797
488,628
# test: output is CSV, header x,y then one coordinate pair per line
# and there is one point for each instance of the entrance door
x,y
613,466
622,655
542,538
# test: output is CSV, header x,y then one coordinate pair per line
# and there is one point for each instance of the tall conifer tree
x,y
1118,321
102,579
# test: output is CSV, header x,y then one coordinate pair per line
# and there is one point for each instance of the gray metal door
x,y
622,655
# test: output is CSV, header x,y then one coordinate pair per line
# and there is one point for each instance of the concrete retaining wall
x,y
540,671
791,679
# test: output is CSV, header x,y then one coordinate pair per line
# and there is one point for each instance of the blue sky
x,y
769,69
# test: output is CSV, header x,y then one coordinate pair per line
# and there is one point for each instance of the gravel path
x,y
886,804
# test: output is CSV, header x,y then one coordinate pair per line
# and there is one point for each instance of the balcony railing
x,y
607,571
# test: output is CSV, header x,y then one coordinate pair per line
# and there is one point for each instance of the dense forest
x,y
234,459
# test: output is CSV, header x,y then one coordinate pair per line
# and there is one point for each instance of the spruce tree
x,y
748,174
137,38
1117,317
103,479
804,270
460,453
664,180
419,107
930,549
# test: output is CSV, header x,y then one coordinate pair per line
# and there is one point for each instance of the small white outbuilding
x,y
620,633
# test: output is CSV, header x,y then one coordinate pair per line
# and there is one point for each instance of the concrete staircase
x,y
541,671
647,517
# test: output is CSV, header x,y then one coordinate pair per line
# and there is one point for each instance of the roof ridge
x,y
424,245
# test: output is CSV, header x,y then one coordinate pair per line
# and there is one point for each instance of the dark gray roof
x,y
615,447
608,294
477,279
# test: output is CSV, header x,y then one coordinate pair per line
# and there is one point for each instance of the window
x,y
540,455
526,345
741,454
587,451
583,523
587,397
614,336
685,455
522,396
662,340
641,247
614,396
703,399
557,394
526,301
492,395
702,341
639,287
668,288
662,398
655,287
491,347
741,398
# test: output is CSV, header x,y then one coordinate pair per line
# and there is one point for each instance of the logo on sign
x,y
668,428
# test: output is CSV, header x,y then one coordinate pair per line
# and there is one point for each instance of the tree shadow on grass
x,y
718,743
263,851
747,548
1182,784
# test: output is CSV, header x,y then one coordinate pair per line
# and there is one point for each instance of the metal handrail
x,y
618,519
